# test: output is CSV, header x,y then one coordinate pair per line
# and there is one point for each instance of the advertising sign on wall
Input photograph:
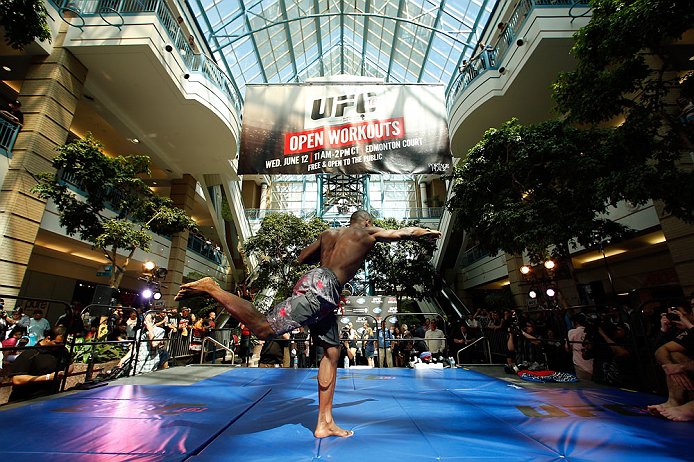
x,y
344,129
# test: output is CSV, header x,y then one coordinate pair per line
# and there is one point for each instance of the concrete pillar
x,y
263,196
423,196
183,197
49,96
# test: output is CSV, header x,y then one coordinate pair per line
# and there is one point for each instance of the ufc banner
x,y
344,128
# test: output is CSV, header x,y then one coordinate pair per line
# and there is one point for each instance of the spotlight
x,y
156,295
502,70
532,293
168,48
147,293
551,292
162,272
186,76
525,269
520,41
549,264
148,265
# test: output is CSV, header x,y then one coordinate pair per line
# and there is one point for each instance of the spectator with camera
x,y
526,345
676,358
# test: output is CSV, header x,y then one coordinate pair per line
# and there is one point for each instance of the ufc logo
x,y
363,103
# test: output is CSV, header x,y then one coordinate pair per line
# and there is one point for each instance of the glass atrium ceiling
x,y
401,41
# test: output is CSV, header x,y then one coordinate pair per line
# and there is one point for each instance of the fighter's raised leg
x,y
240,309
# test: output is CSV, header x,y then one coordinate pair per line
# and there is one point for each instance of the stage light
x,y
148,265
549,264
147,293
162,272
525,269
532,293
551,292
156,295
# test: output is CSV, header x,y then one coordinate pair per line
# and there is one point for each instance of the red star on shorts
x,y
320,284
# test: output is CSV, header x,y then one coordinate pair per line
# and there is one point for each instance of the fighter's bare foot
x,y
684,413
195,288
331,429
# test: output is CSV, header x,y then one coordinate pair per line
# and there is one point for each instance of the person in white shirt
x,y
435,346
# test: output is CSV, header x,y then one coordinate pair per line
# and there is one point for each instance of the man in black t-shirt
x,y
299,340
37,372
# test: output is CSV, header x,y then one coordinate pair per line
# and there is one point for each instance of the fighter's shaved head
x,y
361,215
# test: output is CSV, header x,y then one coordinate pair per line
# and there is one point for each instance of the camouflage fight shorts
x,y
313,302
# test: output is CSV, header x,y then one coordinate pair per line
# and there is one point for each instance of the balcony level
x,y
512,77
145,79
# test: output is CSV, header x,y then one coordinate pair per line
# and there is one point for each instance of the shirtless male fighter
x,y
341,252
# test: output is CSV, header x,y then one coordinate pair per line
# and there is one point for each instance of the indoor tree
x,y
277,245
23,22
401,268
113,209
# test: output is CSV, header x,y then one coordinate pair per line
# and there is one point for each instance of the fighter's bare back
x,y
343,250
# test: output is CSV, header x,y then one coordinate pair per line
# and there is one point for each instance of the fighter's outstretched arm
x,y
412,232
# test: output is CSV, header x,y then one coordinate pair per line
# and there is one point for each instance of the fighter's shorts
x,y
313,302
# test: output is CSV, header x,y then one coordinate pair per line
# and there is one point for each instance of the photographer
x,y
527,346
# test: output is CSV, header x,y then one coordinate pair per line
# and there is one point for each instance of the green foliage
x,y
109,183
401,268
499,299
102,353
628,65
24,21
277,245
530,188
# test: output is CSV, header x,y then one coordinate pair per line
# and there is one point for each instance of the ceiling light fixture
x,y
6,69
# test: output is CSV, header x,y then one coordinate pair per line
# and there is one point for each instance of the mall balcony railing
x,y
419,213
208,251
196,62
8,135
491,57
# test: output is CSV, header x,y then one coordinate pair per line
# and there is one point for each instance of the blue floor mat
x,y
396,414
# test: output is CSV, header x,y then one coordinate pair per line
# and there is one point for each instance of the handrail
x,y
489,349
202,355
195,62
491,57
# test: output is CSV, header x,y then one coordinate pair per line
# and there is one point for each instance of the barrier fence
x,y
643,372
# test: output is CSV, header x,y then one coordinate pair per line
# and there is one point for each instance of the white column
x,y
423,196
263,196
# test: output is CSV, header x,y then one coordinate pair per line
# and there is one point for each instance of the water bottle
x,y
452,361
346,362
296,362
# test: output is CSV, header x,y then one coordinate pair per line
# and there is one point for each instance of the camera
x,y
674,317
344,333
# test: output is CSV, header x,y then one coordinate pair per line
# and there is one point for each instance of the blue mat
x,y
396,414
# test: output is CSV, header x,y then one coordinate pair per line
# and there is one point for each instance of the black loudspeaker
x,y
102,295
